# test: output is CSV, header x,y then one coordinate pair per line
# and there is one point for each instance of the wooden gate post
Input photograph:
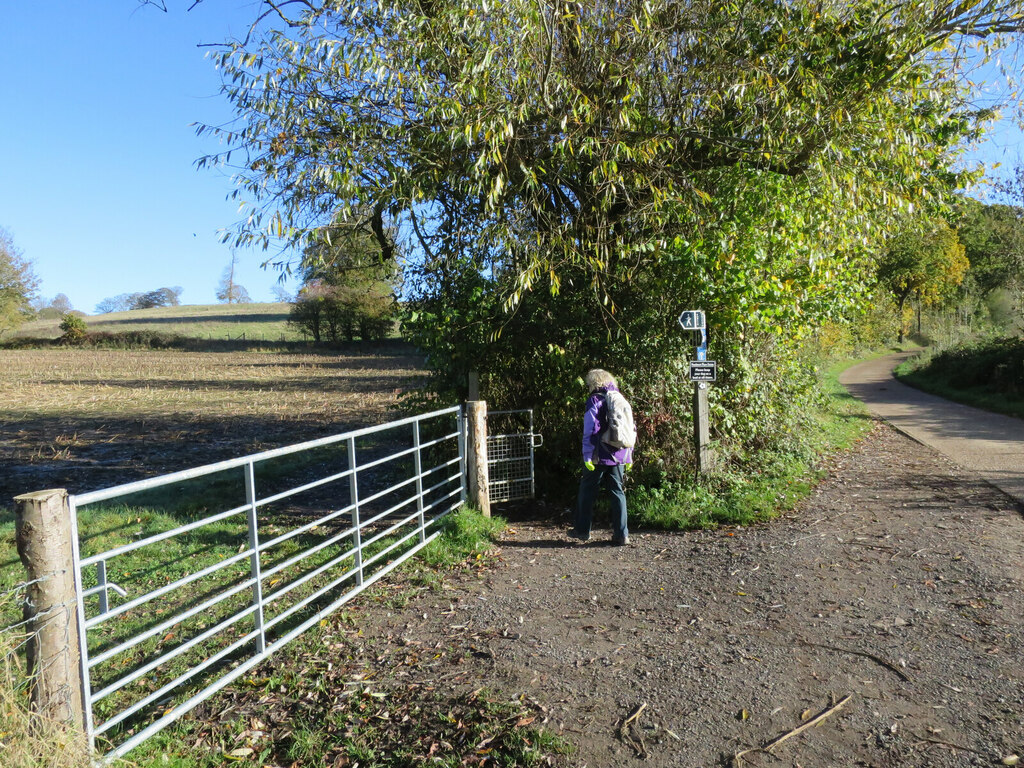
x,y
43,531
476,449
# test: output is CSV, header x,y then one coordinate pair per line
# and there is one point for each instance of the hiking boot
x,y
574,534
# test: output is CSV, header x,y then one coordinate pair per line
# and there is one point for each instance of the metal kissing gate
x,y
185,582
510,445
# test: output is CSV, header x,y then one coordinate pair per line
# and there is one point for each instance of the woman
x,y
603,464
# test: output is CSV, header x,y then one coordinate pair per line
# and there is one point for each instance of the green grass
x,y
250,322
771,483
987,374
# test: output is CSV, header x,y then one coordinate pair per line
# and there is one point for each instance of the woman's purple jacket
x,y
595,419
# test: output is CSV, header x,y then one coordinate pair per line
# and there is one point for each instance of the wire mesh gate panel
x,y
510,459
187,581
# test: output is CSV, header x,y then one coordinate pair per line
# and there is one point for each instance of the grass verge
x,y
763,489
987,374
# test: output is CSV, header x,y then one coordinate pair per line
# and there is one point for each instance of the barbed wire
x,y
26,584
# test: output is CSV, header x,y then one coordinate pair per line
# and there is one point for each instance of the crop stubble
x,y
85,419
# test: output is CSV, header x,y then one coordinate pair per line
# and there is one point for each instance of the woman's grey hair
x,y
596,378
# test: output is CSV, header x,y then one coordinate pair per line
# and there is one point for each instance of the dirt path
x,y
899,583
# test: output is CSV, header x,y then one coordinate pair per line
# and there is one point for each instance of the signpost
x,y
702,371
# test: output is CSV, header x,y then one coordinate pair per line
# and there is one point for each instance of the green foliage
x,y
17,285
348,287
987,373
926,260
993,239
74,329
557,199
768,483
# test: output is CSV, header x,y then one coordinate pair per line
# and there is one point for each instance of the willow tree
x,y
580,170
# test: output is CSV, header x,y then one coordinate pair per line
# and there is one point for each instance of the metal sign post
x,y
702,371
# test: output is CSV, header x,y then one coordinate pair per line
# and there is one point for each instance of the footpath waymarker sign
x,y
692,320
703,370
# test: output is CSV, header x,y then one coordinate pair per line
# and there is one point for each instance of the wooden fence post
x,y
43,531
701,429
476,449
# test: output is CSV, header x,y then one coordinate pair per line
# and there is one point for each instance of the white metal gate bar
x,y
510,455
393,498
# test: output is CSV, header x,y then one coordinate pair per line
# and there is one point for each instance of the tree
x,y
229,291
74,328
308,313
598,126
562,196
58,306
61,303
348,289
993,239
925,260
18,284
161,297
281,294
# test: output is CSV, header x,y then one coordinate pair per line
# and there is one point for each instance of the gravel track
x,y
898,584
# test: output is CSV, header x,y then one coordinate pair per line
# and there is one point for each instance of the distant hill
x,y
200,321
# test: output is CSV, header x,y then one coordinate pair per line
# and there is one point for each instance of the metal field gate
x,y
183,583
511,441
200,575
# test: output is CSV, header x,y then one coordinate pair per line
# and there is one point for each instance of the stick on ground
x,y
625,736
737,758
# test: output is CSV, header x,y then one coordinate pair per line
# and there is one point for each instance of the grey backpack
x,y
621,430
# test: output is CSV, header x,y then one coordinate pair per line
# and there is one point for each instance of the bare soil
x,y
898,584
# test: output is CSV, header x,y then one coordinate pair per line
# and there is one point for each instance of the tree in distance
x,y
993,239
229,291
348,288
161,297
18,285
73,327
56,307
925,260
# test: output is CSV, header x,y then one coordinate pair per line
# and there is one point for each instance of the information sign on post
x,y
703,370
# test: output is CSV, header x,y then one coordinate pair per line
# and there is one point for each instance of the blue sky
x,y
97,179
